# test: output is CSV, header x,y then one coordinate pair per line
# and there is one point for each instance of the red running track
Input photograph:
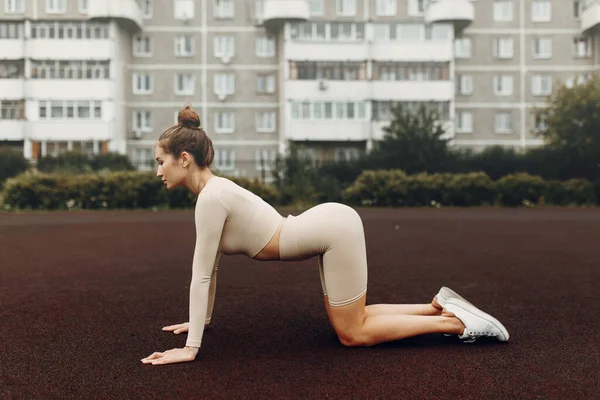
x,y
83,297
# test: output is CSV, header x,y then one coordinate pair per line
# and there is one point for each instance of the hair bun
x,y
188,117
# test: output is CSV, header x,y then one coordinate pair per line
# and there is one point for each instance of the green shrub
x,y
571,192
75,162
12,163
520,189
116,190
378,188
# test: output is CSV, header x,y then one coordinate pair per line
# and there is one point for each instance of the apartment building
x,y
111,75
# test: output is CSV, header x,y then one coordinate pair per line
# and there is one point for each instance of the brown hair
x,y
188,136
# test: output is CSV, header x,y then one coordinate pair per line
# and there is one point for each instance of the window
x,y
541,85
12,69
265,46
541,11
265,159
462,48
68,30
71,69
142,121
14,6
503,10
224,83
142,159
56,6
345,154
224,122
540,122
184,46
503,48
224,46
265,121
576,8
223,9
328,110
316,7
265,84
142,83
142,46
464,121
504,122
10,109
582,47
464,84
9,30
83,6
382,110
416,7
185,84
576,79
224,159
503,85
183,10
146,6
59,109
386,8
346,7
542,48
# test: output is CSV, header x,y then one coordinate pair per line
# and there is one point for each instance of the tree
x,y
573,128
12,163
413,142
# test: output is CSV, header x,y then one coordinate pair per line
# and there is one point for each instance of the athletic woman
x,y
232,220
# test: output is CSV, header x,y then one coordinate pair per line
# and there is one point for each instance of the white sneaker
x,y
446,294
477,323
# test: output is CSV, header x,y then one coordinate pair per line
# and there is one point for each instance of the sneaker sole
x,y
468,307
446,294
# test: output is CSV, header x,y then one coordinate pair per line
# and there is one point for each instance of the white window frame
x,y
54,6
266,121
509,122
465,85
503,85
587,47
224,159
83,6
14,6
224,46
180,41
227,88
142,38
316,7
541,11
538,42
268,155
265,46
345,154
184,10
265,83
463,48
188,78
503,10
224,9
416,8
224,122
137,77
345,8
503,48
146,120
147,7
386,8
537,85
464,121
540,122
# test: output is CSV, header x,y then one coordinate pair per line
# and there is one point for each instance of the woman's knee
x,y
348,322
354,338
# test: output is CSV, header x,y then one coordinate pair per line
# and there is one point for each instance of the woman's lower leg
x,y
402,309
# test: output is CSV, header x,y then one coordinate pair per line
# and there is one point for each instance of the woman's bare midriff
x,y
271,251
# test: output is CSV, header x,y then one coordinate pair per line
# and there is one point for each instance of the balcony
x,y
460,13
12,129
12,49
53,49
412,90
278,12
12,89
70,130
127,12
590,16
327,90
69,89
336,130
329,51
427,51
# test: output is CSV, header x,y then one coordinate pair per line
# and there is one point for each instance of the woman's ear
x,y
185,159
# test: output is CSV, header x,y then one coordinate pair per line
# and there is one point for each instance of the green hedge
x,y
118,190
395,188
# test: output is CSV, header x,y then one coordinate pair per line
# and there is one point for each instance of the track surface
x,y
83,297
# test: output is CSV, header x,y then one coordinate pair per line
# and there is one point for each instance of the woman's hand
x,y
172,356
177,328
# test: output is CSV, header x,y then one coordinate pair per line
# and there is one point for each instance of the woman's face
x,y
170,170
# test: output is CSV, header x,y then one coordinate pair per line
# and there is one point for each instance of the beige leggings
x,y
334,232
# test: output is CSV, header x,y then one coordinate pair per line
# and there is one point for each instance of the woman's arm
x,y
212,290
